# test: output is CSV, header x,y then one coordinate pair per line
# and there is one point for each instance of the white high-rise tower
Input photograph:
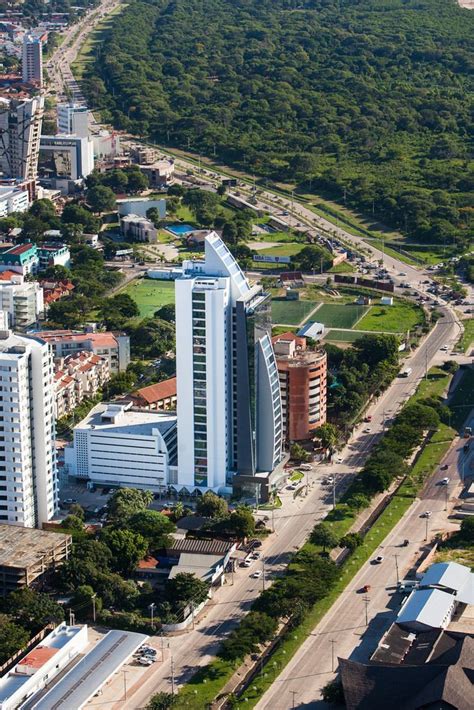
x,y
229,408
28,472
20,133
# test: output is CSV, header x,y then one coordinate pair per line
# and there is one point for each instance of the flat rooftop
x,y
23,547
135,422
92,672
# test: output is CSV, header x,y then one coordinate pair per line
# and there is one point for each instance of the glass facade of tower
x,y
199,388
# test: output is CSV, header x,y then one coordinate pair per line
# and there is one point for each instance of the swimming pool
x,y
180,229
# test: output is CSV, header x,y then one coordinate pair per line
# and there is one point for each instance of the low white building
x,y
140,206
12,199
36,670
116,445
23,301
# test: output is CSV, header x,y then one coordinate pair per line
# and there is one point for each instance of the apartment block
x,y
115,347
32,59
78,377
22,300
22,258
20,133
303,384
28,472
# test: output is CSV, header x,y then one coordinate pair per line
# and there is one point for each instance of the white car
x,y
339,459
257,574
426,514
247,563
444,348
330,480
146,661
444,481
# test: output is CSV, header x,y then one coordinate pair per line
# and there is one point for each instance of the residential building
x,y
303,386
28,472
13,199
65,160
29,556
53,255
116,445
32,59
229,407
55,290
138,229
73,119
161,395
44,662
20,132
159,173
23,301
115,347
427,609
77,377
22,258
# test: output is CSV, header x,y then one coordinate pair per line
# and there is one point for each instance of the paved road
x,y
343,631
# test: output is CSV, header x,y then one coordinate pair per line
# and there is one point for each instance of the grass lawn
x,y
436,385
289,249
184,213
343,268
338,316
150,294
280,329
291,312
296,476
278,237
343,336
463,557
392,319
430,255
467,338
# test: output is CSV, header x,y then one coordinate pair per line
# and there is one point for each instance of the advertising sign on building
x,y
272,259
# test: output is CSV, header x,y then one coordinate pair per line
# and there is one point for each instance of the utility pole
x,y
293,693
72,618
263,575
124,685
152,609
426,530
273,518
396,567
366,602
334,492
426,361
192,612
446,498
93,606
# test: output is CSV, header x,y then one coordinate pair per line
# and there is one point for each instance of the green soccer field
x,y
150,294
291,312
343,336
337,316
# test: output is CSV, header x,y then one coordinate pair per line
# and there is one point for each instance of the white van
x,y
305,467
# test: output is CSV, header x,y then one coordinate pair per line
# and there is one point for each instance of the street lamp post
x,y
152,609
332,642
366,602
396,567
426,528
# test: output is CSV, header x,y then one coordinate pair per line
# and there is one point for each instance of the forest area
x,y
368,102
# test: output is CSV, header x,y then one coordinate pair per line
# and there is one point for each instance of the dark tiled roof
x,y
202,547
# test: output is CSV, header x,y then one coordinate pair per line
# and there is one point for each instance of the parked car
x,y
378,560
247,563
367,430
305,467
366,588
426,514
257,574
444,481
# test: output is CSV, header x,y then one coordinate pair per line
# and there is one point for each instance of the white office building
x,y
13,199
32,59
116,445
20,132
73,119
22,300
229,407
28,473
65,159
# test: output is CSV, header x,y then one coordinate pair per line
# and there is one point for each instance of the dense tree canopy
x,y
362,99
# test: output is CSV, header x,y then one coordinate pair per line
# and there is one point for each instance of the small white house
x,y
386,301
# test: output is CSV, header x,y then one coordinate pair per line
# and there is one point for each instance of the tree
x,y
77,510
242,522
467,530
124,502
298,453
351,540
312,258
328,435
162,701
154,526
101,199
185,588
137,181
211,506
73,523
82,601
333,692
127,548
166,312
323,534
76,214
358,501
12,638
32,610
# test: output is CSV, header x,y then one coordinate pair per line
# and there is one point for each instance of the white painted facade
x,y
20,130
28,677
13,199
23,301
73,119
117,446
28,473
224,360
